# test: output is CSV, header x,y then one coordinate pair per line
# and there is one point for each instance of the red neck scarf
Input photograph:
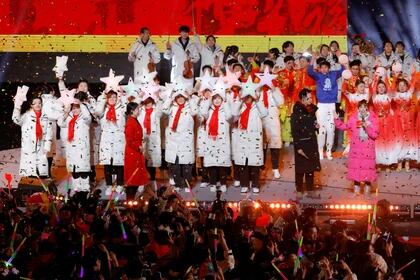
x,y
243,120
177,116
235,90
214,123
38,127
265,95
111,115
72,123
147,123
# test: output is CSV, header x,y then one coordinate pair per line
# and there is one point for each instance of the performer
x,y
304,130
183,54
111,111
36,137
387,58
179,141
211,53
76,120
144,54
326,90
135,173
404,58
361,162
217,152
288,49
249,155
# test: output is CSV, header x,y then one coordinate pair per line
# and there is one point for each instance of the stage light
x,y
364,207
256,205
277,205
192,204
135,203
147,203
358,207
369,207
391,207
337,206
272,205
342,206
188,204
130,203
353,207
348,206
396,207
230,204
235,204
288,205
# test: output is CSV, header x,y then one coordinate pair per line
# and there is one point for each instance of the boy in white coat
x,y
272,99
143,52
36,137
249,155
76,120
211,54
217,153
179,141
179,52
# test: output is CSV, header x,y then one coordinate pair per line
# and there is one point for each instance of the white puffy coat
x,y
33,155
53,109
179,56
152,142
112,143
181,142
386,63
78,150
217,150
208,56
271,123
407,63
140,55
249,142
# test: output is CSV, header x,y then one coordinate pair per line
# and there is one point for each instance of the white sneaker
x,y
346,150
223,188
356,189
108,191
177,189
244,190
256,190
171,181
84,184
204,185
286,144
329,156
120,189
76,185
276,173
187,190
237,184
140,189
321,154
213,188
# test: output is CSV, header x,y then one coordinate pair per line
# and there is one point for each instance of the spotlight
x,y
272,205
192,204
256,205
188,204
235,204
364,207
135,203
277,205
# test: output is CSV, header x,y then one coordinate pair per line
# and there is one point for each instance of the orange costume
x,y
287,80
303,80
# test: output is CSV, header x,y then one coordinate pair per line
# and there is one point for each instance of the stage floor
x,y
399,188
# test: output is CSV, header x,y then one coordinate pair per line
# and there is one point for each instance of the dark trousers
x,y
236,175
217,174
366,183
180,173
92,174
76,175
50,161
114,169
152,173
130,192
275,155
249,175
309,180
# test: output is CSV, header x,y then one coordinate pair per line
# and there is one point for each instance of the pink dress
x,y
387,149
361,161
406,115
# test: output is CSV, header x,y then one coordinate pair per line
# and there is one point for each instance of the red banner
x,y
125,17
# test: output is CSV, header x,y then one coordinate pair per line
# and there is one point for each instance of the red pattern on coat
x,y
135,173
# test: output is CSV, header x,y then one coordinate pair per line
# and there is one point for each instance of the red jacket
x,y
135,173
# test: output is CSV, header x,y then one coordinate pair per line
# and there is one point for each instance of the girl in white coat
x,y
249,155
179,52
211,53
272,99
150,118
179,146
36,138
76,120
111,111
217,153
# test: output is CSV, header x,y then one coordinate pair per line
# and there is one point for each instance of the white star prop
x,y
112,82
231,78
166,91
150,90
266,78
145,78
249,88
180,88
219,88
20,96
206,81
60,65
67,97
131,88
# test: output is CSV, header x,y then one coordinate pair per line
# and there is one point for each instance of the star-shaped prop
x,y
150,90
219,88
131,88
67,97
206,81
145,78
249,88
112,82
179,88
60,65
166,91
20,96
232,78
266,79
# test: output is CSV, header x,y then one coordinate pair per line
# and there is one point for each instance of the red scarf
x,y
147,123
177,116
72,123
214,123
235,90
243,120
111,115
38,127
265,95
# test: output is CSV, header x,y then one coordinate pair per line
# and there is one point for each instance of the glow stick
x,y
13,236
405,266
43,185
13,256
368,228
82,270
279,272
192,194
121,225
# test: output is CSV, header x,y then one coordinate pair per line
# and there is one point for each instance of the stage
x,y
399,188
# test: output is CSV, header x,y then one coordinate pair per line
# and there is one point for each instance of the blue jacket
x,y
326,85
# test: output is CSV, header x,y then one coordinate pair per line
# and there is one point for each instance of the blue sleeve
x,y
314,75
337,73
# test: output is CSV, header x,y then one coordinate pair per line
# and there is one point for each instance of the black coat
x,y
304,132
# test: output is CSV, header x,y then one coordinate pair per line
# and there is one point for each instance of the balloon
x,y
397,67
380,71
343,59
346,74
